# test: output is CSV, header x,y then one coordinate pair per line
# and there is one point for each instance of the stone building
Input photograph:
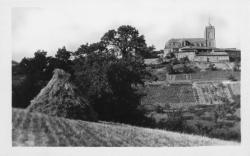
x,y
173,45
210,36
189,54
200,49
211,57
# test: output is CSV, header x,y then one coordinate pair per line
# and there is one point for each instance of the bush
x,y
212,67
226,134
232,78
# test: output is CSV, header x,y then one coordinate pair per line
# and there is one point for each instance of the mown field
x,y
35,129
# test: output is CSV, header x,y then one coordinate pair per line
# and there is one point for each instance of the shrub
x,y
232,78
225,133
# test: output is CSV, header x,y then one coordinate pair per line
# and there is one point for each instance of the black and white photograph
x,y
116,73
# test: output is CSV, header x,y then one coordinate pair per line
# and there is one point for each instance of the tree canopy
x,y
37,71
128,41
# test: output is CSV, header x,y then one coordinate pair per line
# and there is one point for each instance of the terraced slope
x,y
35,129
212,92
174,95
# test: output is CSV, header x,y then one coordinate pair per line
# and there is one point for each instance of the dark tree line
x,y
107,73
37,72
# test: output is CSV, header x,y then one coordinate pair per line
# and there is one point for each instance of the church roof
x,y
186,39
180,40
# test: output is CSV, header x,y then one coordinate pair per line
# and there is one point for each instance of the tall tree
x,y
61,60
87,48
35,73
108,81
63,54
127,39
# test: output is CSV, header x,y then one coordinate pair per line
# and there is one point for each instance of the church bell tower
x,y
210,35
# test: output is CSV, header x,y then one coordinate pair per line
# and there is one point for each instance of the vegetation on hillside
x,y
176,66
163,106
32,74
106,72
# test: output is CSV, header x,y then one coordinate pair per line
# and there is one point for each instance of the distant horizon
x,y
50,28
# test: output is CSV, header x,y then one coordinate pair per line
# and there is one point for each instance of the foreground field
x,y
35,129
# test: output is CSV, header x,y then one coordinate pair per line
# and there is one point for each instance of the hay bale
x,y
61,98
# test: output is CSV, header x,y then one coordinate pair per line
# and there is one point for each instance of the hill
x,y
36,129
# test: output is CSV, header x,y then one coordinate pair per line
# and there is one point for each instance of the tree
x,y
62,54
37,72
236,66
212,67
150,52
83,49
232,78
109,83
87,48
184,60
61,60
170,56
35,77
127,39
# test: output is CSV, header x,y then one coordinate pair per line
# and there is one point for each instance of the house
x,y
212,57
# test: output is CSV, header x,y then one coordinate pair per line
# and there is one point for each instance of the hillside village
x,y
190,86
196,77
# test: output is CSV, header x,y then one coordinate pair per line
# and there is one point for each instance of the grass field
x,y
35,129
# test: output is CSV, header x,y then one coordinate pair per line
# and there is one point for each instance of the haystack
x,y
61,98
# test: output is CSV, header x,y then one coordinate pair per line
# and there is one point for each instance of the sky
x,y
53,26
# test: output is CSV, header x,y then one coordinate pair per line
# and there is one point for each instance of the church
x,y
200,49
